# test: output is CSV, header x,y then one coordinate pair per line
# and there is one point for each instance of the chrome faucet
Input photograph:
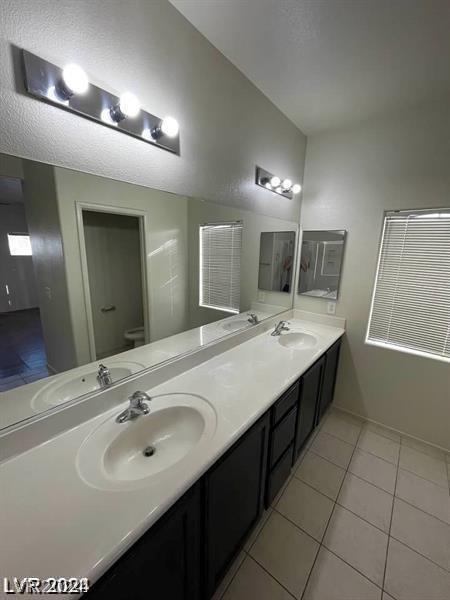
x,y
253,319
280,327
104,376
137,407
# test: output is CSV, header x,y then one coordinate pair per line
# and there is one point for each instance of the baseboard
x,y
398,431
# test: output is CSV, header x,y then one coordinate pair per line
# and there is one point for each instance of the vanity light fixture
x,y
69,88
275,184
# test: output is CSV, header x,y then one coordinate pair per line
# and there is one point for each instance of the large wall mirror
x,y
321,258
96,271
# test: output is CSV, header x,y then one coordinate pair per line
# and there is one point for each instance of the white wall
x,y
166,239
227,125
48,260
200,212
15,271
352,176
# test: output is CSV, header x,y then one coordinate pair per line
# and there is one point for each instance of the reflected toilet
x,y
135,337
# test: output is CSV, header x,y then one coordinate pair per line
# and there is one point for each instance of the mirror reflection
x,y
100,279
276,259
320,263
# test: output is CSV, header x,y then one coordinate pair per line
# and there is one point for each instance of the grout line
x,y
329,519
443,487
421,510
234,575
420,554
270,575
390,522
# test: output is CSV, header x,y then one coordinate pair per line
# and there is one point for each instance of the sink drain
x,y
149,451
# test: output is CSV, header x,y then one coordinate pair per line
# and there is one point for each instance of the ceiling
x,y
327,63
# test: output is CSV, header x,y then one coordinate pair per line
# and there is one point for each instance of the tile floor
x,y
22,351
365,515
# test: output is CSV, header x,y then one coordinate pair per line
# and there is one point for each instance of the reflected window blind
x,y
411,300
220,265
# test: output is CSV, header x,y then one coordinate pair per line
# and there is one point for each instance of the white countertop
x,y
53,524
17,405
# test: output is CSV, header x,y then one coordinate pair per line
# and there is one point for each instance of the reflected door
x,y
113,254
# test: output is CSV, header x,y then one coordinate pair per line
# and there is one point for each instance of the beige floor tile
x,y
367,501
347,416
256,529
286,553
333,579
358,543
410,576
252,581
421,532
280,493
379,445
341,428
321,474
386,597
374,469
223,585
423,447
384,431
428,467
305,507
424,494
333,449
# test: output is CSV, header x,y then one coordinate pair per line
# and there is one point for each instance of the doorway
x,y
114,281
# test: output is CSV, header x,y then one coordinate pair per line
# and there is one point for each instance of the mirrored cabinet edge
x,y
103,279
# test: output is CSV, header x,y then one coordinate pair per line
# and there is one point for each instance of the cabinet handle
x,y
108,308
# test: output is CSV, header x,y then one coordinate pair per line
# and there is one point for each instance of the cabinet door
x,y
234,500
308,404
164,563
329,378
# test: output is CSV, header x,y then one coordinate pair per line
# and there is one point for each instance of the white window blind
x,y
411,299
220,266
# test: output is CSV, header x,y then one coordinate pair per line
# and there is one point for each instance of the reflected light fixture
x,y
275,184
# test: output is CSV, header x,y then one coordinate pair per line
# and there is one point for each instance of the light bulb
x,y
129,105
146,134
75,79
279,190
296,188
170,127
268,185
286,184
106,117
275,181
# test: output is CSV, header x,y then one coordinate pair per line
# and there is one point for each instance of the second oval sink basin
x,y
130,455
70,385
235,325
297,340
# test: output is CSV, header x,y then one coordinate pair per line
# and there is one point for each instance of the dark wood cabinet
x,y
234,494
187,552
328,379
164,563
310,386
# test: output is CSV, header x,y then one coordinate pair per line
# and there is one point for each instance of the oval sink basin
x,y
68,386
235,325
131,455
297,340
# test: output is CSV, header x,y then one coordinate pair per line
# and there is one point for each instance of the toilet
x,y
135,336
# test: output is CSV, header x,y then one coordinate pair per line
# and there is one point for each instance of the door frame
x,y
143,229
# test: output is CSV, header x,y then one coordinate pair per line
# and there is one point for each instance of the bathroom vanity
x,y
172,531
187,552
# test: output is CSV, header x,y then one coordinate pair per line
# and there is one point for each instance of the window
x,y
411,300
19,244
220,266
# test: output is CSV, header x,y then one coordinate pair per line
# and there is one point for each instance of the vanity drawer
x,y
283,404
279,475
282,435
